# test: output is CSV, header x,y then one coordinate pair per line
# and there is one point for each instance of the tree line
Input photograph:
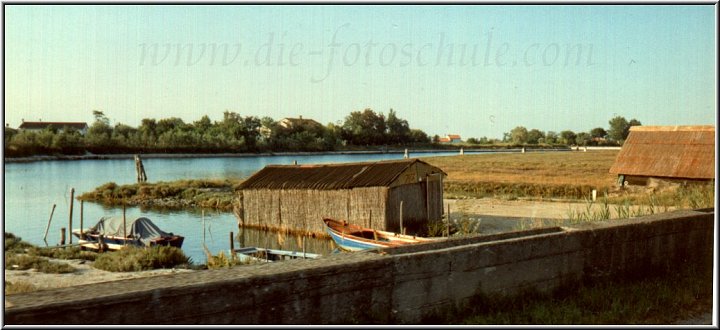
x,y
615,135
234,133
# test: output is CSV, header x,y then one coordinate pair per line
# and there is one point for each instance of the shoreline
x,y
40,158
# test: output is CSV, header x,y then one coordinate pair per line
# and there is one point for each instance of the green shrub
x,y
73,252
25,262
15,244
132,259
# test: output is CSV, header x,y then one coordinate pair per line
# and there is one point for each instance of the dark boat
x,y
355,238
111,233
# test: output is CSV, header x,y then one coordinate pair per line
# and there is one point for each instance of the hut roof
x,y
668,151
330,176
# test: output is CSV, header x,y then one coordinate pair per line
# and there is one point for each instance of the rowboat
x,y
112,233
352,237
250,254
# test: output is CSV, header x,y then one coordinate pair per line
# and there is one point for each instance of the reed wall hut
x,y
370,194
666,154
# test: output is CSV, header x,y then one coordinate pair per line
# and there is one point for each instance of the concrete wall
x,y
401,285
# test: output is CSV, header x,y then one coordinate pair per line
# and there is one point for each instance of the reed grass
x,y
19,287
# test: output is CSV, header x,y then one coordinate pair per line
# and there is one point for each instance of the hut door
x,y
433,196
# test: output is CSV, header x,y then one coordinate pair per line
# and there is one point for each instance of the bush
x,y
133,259
63,253
15,244
25,262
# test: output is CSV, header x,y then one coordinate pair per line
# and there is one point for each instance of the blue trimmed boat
x,y
112,233
351,237
249,254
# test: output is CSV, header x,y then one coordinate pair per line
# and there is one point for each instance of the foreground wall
x,y
401,285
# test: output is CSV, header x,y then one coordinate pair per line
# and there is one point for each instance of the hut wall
x,y
413,197
367,203
303,210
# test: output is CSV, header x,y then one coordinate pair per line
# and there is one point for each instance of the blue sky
x,y
470,70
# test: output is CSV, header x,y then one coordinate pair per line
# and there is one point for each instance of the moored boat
x,y
112,233
247,254
352,237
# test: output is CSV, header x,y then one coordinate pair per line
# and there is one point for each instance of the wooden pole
x,y
72,199
62,236
81,218
48,225
124,226
232,243
401,217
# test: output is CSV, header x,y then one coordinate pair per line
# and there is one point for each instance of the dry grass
x,y
543,174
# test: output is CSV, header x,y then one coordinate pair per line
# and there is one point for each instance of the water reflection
x,y
279,240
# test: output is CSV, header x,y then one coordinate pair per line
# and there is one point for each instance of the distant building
x,y
668,153
451,138
293,123
41,125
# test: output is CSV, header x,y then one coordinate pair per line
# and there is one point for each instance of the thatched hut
x,y
666,154
298,197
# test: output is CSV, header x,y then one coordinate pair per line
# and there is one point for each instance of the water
x,y
32,188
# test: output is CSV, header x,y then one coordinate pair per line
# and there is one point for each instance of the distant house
x,y
370,194
41,125
451,138
668,153
293,123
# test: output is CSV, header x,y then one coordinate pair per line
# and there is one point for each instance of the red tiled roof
x,y
453,136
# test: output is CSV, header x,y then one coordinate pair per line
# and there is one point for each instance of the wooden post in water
x,y
81,218
124,226
72,199
232,244
62,236
140,169
48,225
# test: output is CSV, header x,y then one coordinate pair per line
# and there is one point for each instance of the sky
x,y
473,70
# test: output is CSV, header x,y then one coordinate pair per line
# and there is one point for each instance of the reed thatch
x,y
668,152
297,198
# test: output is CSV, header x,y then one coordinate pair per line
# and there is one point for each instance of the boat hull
x,y
249,254
355,238
91,241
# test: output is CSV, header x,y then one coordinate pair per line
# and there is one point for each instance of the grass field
x,y
543,174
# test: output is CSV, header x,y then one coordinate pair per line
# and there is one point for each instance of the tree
x,y
398,128
618,128
473,140
598,132
519,135
567,137
551,137
365,128
583,139
534,136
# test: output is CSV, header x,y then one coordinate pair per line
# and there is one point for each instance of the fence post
x,y
62,236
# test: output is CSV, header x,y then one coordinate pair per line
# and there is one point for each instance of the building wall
x,y
403,285
303,210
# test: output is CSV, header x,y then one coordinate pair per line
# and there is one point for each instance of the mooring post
x,y
101,243
72,199
232,244
124,226
81,218
62,236
48,225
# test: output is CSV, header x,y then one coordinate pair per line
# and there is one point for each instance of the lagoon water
x,y
32,188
